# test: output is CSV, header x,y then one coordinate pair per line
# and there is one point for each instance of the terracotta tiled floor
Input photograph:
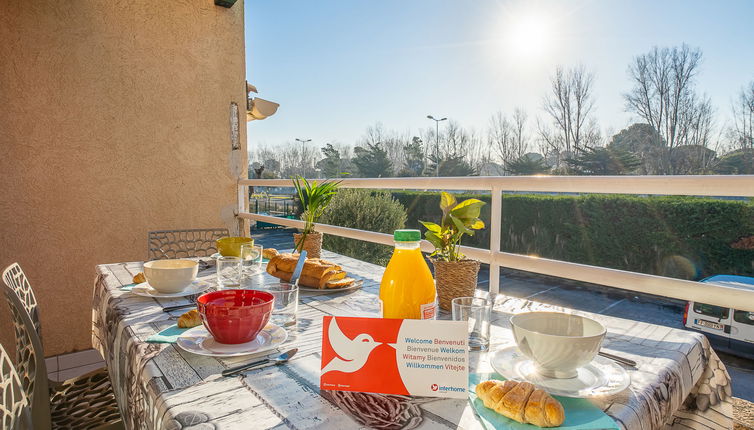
x,y
66,366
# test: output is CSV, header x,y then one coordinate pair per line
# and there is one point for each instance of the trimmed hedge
x,y
366,210
676,236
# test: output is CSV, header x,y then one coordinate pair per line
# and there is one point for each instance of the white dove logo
x,y
352,353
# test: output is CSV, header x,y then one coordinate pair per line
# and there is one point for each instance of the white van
x,y
728,330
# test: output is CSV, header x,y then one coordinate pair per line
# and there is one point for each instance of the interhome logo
x,y
443,388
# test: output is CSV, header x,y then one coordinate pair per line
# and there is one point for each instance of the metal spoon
x,y
282,358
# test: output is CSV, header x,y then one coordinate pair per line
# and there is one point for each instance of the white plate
x,y
198,341
356,285
601,377
146,290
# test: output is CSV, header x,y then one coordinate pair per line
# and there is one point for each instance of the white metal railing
x,y
712,185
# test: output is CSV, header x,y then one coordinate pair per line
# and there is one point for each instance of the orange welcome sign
x,y
394,356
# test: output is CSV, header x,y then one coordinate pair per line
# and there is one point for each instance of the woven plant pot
x,y
312,243
455,279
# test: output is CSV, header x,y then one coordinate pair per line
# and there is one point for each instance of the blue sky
x,y
337,67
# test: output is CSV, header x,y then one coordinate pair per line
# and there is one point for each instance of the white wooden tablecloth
x,y
680,383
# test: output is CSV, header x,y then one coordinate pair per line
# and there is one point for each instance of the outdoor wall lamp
x,y
257,108
225,3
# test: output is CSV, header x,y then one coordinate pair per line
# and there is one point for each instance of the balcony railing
x,y
721,186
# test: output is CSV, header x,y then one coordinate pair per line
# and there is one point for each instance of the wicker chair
x,y
14,405
163,244
85,402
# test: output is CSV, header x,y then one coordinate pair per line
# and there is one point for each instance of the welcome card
x,y
393,356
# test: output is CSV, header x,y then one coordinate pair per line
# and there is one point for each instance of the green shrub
x,y
677,236
366,210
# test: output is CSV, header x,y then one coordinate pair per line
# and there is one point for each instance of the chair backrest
x,y
14,405
15,279
164,244
30,362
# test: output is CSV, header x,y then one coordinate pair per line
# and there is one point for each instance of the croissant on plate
x,y
190,319
521,402
139,278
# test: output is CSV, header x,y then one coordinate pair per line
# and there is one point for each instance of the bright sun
x,y
528,36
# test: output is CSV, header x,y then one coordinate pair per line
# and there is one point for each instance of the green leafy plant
x,y
314,199
458,219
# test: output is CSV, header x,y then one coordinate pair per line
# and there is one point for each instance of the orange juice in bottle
x,y
407,289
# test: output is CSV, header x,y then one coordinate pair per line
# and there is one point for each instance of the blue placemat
x,y
580,414
168,335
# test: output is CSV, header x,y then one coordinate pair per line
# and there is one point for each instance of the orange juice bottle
x,y
407,289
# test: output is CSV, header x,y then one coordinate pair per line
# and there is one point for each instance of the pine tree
x,y
372,161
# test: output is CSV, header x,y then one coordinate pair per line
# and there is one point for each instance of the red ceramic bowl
x,y
235,316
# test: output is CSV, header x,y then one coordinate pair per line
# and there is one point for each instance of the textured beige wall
x,y
114,120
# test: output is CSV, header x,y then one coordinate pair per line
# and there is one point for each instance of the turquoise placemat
x,y
168,335
580,414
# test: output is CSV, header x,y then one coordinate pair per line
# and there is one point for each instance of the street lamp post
x,y
437,143
303,143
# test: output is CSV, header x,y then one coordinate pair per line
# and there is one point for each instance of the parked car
x,y
728,330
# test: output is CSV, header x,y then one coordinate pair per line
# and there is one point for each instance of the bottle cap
x,y
407,235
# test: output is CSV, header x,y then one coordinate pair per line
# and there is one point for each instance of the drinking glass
x,y
251,259
229,272
286,303
476,312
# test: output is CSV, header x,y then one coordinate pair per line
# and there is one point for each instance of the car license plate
x,y
710,324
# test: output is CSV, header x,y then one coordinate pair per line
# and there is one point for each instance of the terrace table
x,y
679,383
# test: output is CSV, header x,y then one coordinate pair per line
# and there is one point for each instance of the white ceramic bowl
x,y
558,343
170,276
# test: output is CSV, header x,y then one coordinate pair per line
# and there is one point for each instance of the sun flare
x,y
528,35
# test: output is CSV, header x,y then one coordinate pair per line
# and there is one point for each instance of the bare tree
x,y
664,95
520,137
391,141
569,106
742,131
507,137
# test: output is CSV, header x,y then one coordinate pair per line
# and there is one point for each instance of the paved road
x,y
586,297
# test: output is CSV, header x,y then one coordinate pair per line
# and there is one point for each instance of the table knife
x,y
299,267
177,307
622,360
282,358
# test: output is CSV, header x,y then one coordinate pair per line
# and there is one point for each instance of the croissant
x,y
139,278
190,319
521,402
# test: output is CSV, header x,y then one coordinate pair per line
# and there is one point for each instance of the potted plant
x,y
314,199
455,275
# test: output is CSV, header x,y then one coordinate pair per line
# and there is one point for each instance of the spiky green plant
x,y
457,219
314,199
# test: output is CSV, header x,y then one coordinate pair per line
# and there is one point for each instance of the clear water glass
x,y
285,309
251,259
229,271
476,312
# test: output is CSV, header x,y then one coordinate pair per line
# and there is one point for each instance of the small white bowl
x,y
170,276
558,343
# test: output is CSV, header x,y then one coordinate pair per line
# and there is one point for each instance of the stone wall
x,y
114,120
